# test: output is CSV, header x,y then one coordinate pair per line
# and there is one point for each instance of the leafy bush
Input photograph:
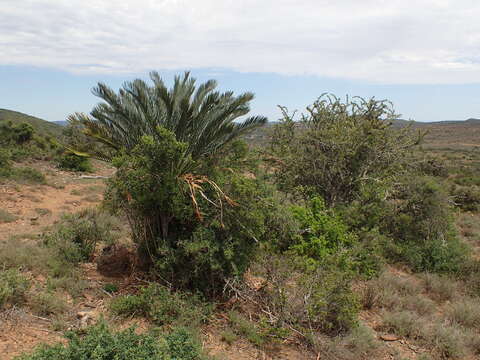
x,y
162,306
46,303
28,175
101,343
466,313
110,288
423,229
5,163
18,134
339,147
70,161
246,328
186,228
76,235
307,299
405,324
13,286
467,197
323,233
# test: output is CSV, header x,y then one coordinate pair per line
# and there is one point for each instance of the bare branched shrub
x,y
319,301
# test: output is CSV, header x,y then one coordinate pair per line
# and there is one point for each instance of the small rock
x,y
389,337
83,314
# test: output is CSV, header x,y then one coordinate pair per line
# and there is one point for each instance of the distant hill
x,y
43,127
61,123
440,134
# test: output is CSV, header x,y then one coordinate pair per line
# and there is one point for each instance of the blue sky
x,y
423,56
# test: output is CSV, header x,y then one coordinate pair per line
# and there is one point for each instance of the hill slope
x,y
43,127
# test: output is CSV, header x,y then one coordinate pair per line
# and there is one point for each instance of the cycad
x,y
203,118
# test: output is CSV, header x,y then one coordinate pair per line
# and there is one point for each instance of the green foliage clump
x,y
22,142
18,134
110,288
309,300
20,174
338,148
467,198
185,225
13,286
28,175
76,235
101,343
322,232
246,328
73,162
162,306
5,163
422,228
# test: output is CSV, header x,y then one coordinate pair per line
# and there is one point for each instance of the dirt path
x,y
38,206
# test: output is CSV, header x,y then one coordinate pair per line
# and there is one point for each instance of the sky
x,y
423,55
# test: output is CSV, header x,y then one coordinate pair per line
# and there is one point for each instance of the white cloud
x,y
386,41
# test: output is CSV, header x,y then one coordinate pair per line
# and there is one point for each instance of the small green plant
x,y
110,288
101,343
162,306
28,175
229,336
182,345
76,235
361,340
466,313
13,287
46,304
448,341
440,287
404,323
246,328
73,162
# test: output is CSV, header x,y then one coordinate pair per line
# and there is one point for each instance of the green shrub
x,y
466,313
423,230
339,147
13,286
28,175
76,235
110,288
467,197
323,233
100,343
46,303
319,300
182,345
73,162
405,324
246,328
186,228
5,163
162,306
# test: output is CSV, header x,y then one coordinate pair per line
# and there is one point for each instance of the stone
x,y
389,337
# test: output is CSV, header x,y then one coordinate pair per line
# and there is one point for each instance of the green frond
x,y
200,116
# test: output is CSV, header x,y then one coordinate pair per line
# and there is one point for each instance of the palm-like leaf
x,y
203,118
